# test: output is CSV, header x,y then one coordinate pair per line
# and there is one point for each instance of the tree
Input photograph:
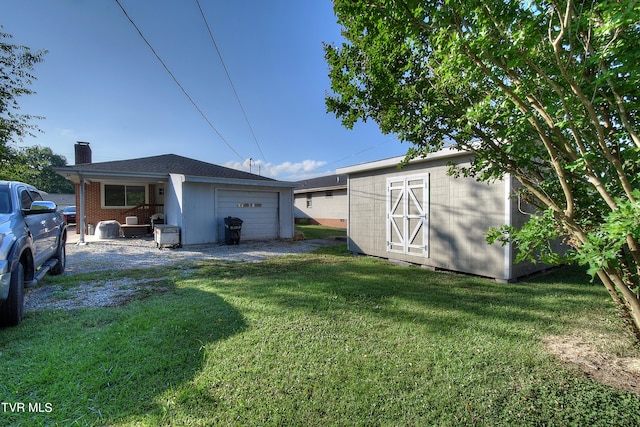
x,y
35,165
544,90
16,66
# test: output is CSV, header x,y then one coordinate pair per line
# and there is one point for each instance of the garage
x,y
257,209
190,194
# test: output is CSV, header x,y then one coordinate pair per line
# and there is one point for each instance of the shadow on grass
x,y
442,303
102,365
114,366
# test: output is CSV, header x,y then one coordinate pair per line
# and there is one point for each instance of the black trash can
x,y
232,228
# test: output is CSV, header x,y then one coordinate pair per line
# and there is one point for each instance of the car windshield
x,y
69,209
5,200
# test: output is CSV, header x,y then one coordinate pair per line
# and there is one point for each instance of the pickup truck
x,y
33,237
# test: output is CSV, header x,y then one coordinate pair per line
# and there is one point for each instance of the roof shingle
x,y
166,164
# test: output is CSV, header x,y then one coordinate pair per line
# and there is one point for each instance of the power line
x,y
356,153
215,45
177,82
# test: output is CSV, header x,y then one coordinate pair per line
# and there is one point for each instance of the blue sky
x,y
100,83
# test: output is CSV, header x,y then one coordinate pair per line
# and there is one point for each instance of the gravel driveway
x,y
125,253
129,253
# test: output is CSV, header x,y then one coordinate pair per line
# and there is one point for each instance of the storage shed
x,y
419,214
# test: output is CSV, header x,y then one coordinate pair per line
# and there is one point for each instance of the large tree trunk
x,y
631,303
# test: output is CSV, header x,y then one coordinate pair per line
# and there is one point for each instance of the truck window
x,y
5,201
25,199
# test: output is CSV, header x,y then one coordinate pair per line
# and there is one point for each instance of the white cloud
x,y
67,133
288,171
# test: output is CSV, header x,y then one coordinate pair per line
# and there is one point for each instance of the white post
x,y
81,212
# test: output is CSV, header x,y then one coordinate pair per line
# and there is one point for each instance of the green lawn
x,y
320,339
320,231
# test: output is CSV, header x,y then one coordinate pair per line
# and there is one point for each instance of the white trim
x,y
232,181
395,161
508,253
400,235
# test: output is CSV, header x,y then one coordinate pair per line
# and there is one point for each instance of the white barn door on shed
x,y
257,209
408,215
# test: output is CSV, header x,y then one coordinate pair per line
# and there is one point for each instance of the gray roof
x,y
328,181
163,165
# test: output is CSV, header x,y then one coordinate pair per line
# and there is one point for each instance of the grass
x,y
319,339
320,231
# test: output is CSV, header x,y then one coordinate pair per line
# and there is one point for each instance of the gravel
x,y
130,253
136,253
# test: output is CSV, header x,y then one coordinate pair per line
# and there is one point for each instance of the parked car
x,y
69,214
33,237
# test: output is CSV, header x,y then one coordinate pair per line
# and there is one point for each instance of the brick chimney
x,y
83,153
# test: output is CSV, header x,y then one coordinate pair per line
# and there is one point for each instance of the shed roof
x,y
395,161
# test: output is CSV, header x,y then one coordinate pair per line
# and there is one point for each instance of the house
x,y
191,194
322,201
420,215
62,200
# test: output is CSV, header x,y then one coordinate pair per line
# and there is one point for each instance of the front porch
x,y
141,220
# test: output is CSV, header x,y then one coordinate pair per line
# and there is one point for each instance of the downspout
x,y
82,209
349,212
508,253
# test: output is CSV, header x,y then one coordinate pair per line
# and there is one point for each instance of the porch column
x,y
81,212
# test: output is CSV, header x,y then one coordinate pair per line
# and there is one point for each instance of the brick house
x,y
195,196
322,201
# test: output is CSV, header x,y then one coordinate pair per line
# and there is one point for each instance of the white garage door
x,y
257,209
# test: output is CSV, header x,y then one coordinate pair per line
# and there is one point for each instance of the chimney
x,y
83,153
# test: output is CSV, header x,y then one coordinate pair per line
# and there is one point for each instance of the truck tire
x,y
12,309
61,256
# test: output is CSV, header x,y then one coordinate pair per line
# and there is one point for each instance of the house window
x,y
309,200
121,196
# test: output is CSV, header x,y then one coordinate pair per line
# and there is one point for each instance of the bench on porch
x,y
136,230
141,220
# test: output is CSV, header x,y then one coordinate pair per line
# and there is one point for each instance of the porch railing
x,y
145,212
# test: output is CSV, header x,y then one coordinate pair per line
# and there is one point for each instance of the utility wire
x,y
355,154
215,45
177,82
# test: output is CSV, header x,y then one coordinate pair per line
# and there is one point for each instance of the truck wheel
x,y
12,309
61,255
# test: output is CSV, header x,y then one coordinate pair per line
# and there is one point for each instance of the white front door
x,y
408,215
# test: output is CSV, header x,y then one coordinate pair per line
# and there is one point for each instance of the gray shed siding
x,y
460,211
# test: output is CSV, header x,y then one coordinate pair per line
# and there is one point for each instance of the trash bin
x,y
232,228
166,235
